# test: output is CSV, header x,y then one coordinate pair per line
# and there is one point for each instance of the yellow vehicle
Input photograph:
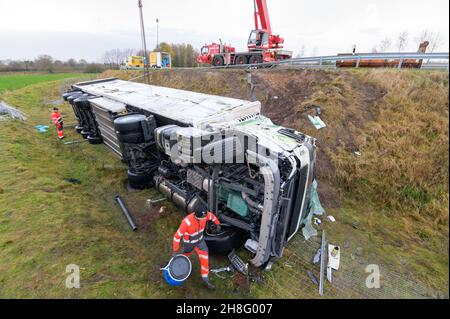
x,y
134,62
160,60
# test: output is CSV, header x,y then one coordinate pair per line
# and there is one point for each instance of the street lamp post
x,y
157,34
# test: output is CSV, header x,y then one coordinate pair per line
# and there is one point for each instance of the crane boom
x,y
262,15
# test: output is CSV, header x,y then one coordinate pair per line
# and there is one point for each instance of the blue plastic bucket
x,y
177,270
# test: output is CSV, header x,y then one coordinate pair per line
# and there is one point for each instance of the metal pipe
x,y
322,262
235,222
126,212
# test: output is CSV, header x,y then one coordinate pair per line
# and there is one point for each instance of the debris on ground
x,y
317,221
316,209
317,122
227,269
42,128
9,112
125,211
334,256
329,274
313,278
318,110
347,244
331,218
75,142
151,202
238,263
73,181
316,258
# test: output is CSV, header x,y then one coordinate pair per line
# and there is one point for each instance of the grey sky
x,y
87,28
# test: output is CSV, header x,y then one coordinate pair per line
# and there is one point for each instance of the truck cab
x,y
216,54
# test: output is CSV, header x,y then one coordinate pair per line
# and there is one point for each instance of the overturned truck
x,y
206,152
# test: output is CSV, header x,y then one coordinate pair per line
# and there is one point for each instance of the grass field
x,y
13,81
46,222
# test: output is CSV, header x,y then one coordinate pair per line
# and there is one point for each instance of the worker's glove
x,y
215,228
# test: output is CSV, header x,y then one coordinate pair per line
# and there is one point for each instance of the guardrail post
x,y
320,61
358,62
400,64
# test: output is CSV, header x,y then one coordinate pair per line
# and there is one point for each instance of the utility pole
x,y
157,34
144,42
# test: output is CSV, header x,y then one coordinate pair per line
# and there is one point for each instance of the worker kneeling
x,y
191,230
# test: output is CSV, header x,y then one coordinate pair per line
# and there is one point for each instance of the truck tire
x,y
240,59
224,242
139,181
129,123
94,140
255,59
218,61
131,138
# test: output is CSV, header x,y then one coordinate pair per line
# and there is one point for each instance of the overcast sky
x,y
87,28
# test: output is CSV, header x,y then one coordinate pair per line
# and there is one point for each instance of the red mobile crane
x,y
263,46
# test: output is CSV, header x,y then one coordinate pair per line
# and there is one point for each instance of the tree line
x,y
46,63
183,55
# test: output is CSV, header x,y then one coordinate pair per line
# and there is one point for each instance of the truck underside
x,y
206,152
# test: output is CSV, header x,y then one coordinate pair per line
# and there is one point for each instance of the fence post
x,y
400,64
322,262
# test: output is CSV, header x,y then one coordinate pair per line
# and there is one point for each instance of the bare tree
x,y
425,35
315,51
385,45
402,40
113,58
436,42
302,51
44,62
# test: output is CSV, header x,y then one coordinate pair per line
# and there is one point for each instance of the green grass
x,y
15,81
47,223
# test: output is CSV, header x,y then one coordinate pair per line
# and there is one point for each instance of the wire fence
x,y
291,279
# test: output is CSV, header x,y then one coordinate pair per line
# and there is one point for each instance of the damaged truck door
x,y
207,152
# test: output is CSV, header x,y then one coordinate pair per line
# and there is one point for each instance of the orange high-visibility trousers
x,y
60,131
57,119
202,252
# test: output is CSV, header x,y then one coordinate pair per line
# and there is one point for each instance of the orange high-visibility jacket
x,y
191,229
57,119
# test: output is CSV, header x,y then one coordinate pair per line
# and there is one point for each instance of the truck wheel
x,y
94,140
241,59
224,242
131,138
255,59
218,60
139,181
129,123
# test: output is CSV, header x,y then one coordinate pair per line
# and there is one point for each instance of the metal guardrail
x,y
330,61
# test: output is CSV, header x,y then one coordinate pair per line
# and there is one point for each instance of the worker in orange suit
x,y
191,230
57,119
